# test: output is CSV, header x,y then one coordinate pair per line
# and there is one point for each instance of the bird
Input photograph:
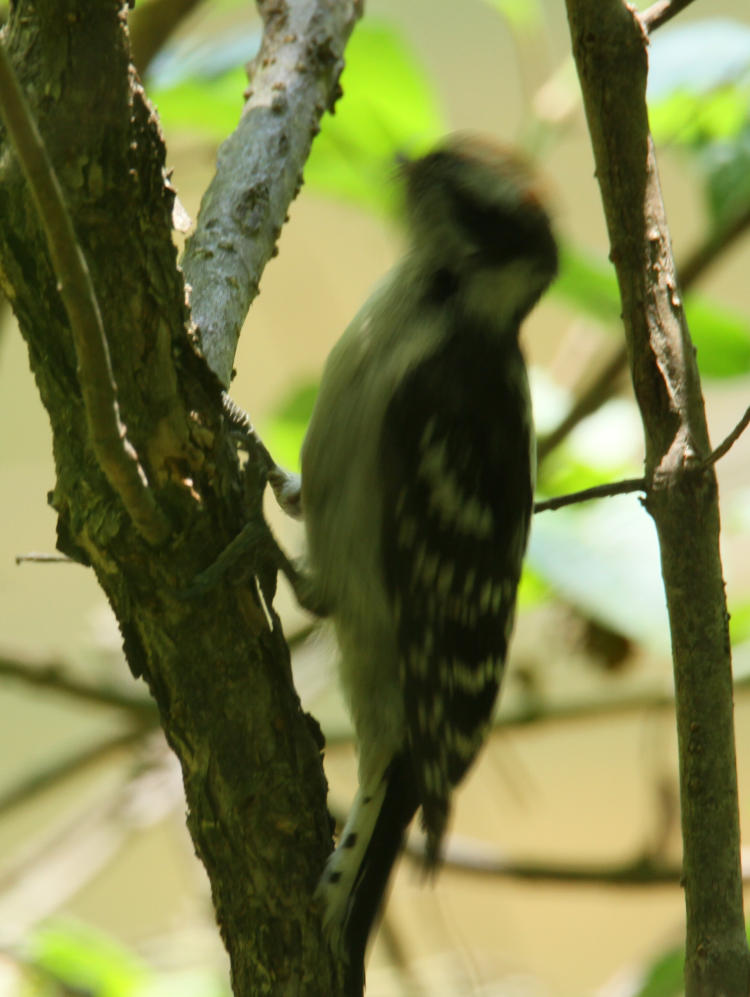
x,y
417,482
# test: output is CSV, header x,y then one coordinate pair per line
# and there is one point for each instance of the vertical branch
x,y
609,45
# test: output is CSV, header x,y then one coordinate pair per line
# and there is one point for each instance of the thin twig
x,y
39,557
115,453
730,440
597,491
77,762
474,858
56,678
661,12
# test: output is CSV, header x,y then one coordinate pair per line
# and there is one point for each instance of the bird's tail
x,y
356,875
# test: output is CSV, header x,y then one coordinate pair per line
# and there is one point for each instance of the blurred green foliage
x,y
65,957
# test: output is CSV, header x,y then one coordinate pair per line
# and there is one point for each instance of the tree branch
x,y
730,440
597,491
116,455
629,485
661,12
218,667
49,776
56,678
472,857
609,45
293,82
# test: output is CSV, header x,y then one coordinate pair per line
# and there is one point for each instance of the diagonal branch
x,y
79,761
57,678
607,490
661,12
293,82
115,453
726,444
604,382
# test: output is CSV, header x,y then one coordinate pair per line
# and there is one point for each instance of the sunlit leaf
x,y
209,106
696,119
87,961
739,612
532,589
197,83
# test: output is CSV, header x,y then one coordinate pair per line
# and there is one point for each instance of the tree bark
x,y
217,666
609,45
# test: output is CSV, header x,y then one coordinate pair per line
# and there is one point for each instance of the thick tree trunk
x,y
217,666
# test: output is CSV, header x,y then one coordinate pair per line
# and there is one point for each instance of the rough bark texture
x,y
218,667
294,80
610,50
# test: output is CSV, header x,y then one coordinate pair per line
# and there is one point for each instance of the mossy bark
x,y
217,666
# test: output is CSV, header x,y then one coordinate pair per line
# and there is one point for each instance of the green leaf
x,y
721,337
697,119
665,976
720,334
699,100
739,616
284,432
388,108
210,106
532,589
86,960
588,283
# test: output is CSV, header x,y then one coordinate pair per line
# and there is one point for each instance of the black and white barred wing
x,y
458,496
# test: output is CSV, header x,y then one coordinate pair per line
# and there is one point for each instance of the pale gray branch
x,y
293,82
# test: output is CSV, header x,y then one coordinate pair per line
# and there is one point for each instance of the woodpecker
x,y
417,485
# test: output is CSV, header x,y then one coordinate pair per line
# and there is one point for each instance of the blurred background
x,y
562,877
